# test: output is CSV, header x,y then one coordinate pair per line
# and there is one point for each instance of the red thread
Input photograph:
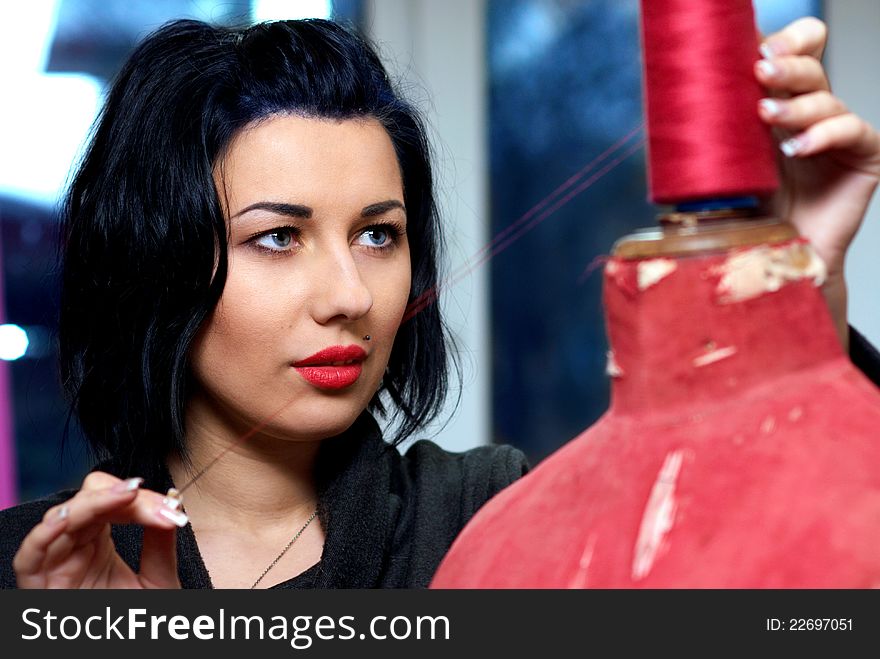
x,y
504,240
705,137
594,265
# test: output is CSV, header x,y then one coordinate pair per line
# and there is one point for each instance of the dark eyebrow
x,y
382,207
291,210
304,212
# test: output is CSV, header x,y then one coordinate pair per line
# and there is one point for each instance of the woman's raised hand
x,y
833,156
72,547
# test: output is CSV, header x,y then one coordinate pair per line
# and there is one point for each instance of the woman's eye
x,y
376,237
277,241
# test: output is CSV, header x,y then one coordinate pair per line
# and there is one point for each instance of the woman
x,y
241,243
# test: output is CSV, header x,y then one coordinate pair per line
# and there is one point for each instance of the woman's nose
x,y
340,290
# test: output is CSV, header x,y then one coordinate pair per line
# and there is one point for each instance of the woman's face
x,y
318,258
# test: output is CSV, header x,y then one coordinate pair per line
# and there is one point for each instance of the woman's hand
x,y
72,547
832,157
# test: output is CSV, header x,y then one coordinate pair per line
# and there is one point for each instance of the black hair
x,y
142,223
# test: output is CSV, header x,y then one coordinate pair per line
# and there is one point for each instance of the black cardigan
x,y
388,518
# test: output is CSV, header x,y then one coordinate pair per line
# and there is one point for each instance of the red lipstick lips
x,y
335,367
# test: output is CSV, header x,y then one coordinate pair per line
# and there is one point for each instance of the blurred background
x,y
520,95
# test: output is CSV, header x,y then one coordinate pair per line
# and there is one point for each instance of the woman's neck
x,y
258,482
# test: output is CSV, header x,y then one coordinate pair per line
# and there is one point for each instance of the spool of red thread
x,y
705,139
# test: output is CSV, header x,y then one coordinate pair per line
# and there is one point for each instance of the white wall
x,y
437,48
852,58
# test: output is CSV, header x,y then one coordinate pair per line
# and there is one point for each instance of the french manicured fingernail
x,y
793,146
179,518
770,49
129,485
768,68
62,514
772,107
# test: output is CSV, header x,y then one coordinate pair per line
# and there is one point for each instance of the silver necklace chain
x,y
284,551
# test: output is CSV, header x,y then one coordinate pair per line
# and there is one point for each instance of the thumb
x,y
159,558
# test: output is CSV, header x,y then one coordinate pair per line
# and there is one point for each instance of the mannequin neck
x,y
698,329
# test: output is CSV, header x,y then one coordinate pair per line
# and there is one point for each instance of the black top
x,y
388,518
864,356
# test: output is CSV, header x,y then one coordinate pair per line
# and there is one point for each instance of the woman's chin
x,y
316,423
